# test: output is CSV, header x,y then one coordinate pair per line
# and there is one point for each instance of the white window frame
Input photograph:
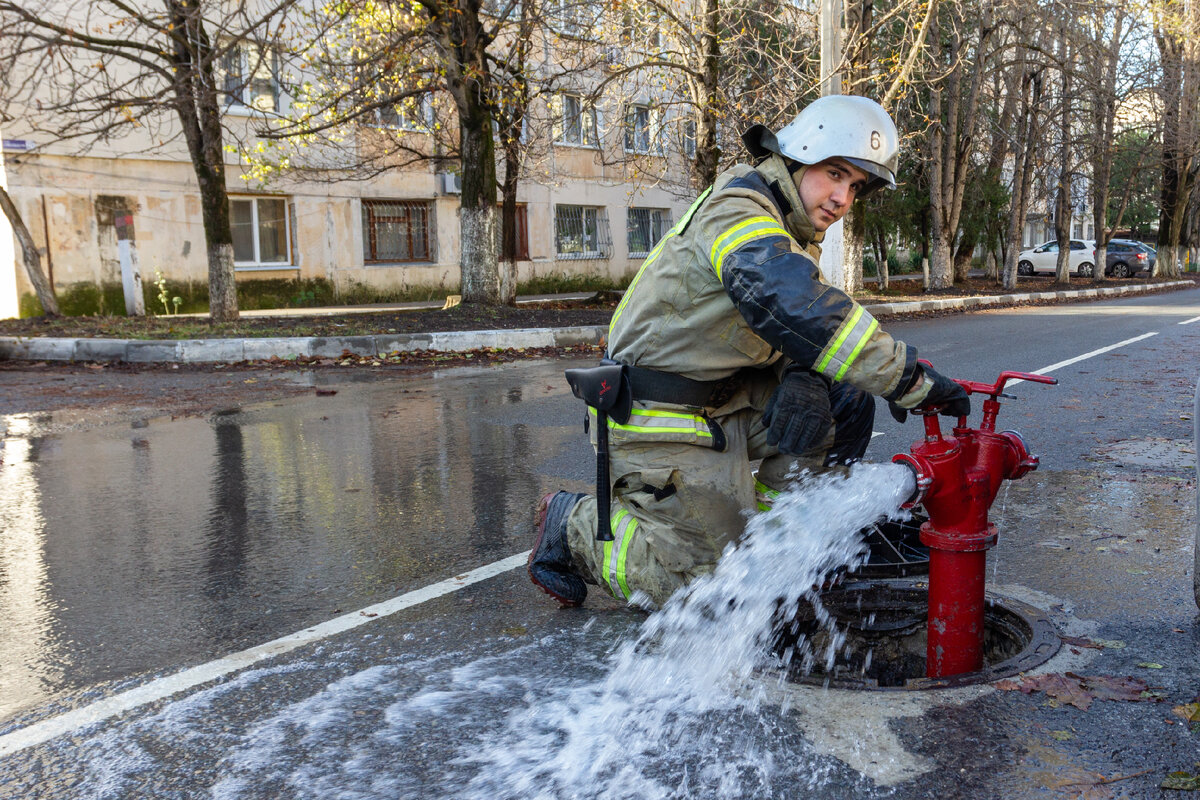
x,y
689,137
584,117
642,139
241,101
258,264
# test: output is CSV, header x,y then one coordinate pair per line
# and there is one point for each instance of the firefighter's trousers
x,y
676,506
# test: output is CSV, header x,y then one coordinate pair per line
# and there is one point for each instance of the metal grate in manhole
x,y
1163,453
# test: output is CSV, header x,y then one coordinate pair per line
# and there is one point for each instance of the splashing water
x,y
677,714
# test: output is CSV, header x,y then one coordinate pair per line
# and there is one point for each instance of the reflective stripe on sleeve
x,y
841,353
735,237
615,553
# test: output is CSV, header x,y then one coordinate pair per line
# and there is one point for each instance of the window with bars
x,y
689,138
644,228
398,231
521,245
261,231
581,232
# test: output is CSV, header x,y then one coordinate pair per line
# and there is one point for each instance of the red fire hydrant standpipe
x,y
958,478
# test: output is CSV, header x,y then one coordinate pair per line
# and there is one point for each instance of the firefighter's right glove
x,y
933,389
797,416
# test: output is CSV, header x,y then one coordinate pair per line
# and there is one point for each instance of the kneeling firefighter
x,y
729,347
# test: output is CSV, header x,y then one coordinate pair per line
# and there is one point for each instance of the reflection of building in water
x,y
131,549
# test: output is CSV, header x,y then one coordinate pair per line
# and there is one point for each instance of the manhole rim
x,y
1044,643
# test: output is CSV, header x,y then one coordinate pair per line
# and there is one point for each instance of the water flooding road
x,y
140,548
129,553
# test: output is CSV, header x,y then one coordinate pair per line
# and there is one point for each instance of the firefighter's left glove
x,y
797,416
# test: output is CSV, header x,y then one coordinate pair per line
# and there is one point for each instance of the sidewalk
x,y
193,351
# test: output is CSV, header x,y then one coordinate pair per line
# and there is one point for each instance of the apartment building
x,y
608,184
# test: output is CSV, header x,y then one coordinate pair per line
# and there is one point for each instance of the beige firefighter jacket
x,y
735,284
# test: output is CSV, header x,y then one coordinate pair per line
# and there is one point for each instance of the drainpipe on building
x,y
1196,444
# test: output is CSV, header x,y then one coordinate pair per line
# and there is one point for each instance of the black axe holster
x,y
606,389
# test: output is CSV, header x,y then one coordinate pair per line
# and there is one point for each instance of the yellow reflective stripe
x,y
623,527
630,527
862,341
844,349
645,420
730,240
679,226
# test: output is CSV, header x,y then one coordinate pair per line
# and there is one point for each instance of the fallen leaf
x,y
1061,736
1150,665
1110,644
1111,687
1183,781
1080,641
1189,712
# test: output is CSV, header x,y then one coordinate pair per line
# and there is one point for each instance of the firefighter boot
x,y
550,566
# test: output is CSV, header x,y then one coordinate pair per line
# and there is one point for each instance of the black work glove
x,y
797,416
953,399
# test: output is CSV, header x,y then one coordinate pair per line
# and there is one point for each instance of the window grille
x,y
582,232
398,231
644,228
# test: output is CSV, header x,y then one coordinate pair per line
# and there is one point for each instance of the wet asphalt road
x,y
130,553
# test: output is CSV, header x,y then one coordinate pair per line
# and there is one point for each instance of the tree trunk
x,y
479,264
854,231
200,115
708,154
1031,84
882,268
31,257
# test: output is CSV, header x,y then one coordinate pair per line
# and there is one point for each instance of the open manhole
x,y
884,624
894,551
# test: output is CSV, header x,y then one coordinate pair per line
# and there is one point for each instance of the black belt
x,y
666,387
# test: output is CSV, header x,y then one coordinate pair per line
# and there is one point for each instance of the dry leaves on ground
x,y
1080,690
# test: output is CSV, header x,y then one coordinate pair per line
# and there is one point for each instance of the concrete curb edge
x,y
196,351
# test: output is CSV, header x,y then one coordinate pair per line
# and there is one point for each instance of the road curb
x,y
200,351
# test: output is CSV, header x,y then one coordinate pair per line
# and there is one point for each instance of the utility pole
x,y
830,21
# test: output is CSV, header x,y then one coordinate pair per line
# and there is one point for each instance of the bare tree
x,y
30,255
961,60
1177,31
94,71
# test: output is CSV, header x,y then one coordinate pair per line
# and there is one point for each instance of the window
x,y
689,138
248,76
521,245
644,227
639,133
577,122
261,231
576,17
581,232
397,231
410,114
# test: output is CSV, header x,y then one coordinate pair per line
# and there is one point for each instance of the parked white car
x,y
1044,258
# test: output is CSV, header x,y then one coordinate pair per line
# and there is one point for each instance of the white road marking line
x,y
1190,321
47,729
1083,357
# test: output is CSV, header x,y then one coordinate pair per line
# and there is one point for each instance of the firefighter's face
x,y
827,189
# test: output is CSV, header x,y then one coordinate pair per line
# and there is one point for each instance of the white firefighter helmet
x,y
846,126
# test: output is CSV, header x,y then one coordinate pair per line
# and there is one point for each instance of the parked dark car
x,y
1127,257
